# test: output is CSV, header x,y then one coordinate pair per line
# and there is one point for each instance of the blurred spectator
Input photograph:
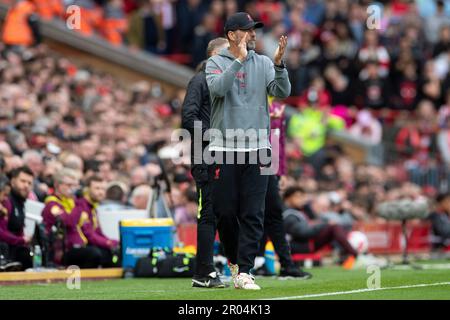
x,y
418,140
443,43
186,209
203,34
139,176
373,89
49,9
366,128
114,24
115,198
270,39
434,23
189,15
140,196
19,29
431,84
91,16
136,32
309,129
34,161
407,90
339,86
372,50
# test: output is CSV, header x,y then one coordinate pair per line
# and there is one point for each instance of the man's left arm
x,y
277,79
96,239
278,84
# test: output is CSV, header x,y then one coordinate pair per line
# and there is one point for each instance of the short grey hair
x,y
66,172
214,44
30,154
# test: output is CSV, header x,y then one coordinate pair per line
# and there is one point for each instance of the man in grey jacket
x,y
239,81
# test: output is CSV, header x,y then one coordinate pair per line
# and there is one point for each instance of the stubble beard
x,y
251,45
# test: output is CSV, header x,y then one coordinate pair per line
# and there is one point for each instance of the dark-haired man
x,y
12,222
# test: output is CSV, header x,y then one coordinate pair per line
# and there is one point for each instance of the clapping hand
x,y
280,50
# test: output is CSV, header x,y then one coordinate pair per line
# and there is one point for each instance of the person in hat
x,y
239,81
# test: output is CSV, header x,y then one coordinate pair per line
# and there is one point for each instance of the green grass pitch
x,y
327,283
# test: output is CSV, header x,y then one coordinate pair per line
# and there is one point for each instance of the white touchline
x,y
359,291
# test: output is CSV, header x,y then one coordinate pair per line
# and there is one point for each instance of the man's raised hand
x,y
242,55
282,43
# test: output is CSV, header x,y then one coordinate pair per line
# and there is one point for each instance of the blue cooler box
x,y
139,236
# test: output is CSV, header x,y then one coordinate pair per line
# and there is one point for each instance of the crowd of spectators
x,y
388,85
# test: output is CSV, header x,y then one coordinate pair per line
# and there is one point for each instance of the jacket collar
x,y
89,200
226,53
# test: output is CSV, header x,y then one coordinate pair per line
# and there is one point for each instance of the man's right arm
x,y
69,219
221,81
300,228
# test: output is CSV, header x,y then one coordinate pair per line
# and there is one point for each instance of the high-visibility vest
x,y
16,30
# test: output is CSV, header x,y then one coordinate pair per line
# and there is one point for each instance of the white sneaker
x,y
246,281
234,268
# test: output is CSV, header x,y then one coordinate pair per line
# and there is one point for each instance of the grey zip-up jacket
x,y
239,99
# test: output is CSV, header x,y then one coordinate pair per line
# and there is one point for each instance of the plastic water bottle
x,y
37,257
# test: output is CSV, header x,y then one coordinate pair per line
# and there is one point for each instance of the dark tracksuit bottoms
x,y
238,193
196,107
273,224
206,227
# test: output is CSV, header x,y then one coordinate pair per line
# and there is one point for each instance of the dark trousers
x,y
85,257
326,236
17,254
238,193
89,257
273,224
206,230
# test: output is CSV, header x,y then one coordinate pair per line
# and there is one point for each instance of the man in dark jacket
x,y
12,221
309,235
195,117
440,221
